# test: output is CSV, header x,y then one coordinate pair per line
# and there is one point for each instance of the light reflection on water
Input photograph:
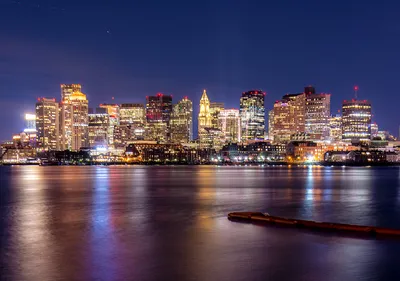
x,y
169,223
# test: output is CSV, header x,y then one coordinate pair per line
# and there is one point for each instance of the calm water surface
x,y
169,223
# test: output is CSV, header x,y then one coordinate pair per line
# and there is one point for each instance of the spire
x,y
204,96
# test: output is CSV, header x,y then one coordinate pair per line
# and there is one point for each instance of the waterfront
x,y
169,223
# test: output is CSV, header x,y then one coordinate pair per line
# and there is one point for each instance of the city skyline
x,y
45,46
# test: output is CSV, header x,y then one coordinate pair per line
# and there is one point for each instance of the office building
x,y
356,120
182,121
229,123
215,109
374,130
132,114
317,115
68,89
113,111
252,115
335,128
271,125
289,117
47,124
99,123
158,117
79,109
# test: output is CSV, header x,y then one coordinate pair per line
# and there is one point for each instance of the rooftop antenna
x,y
356,92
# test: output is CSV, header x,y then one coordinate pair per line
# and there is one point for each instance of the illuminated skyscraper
x,y
158,117
182,121
229,123
79,111
288,117
204,118
113,112
68,89
318,111
252,113
215,109
335,126
47,124
99,123
132,113
271,124
356,120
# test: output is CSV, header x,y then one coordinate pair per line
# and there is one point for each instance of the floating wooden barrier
x,y
258,217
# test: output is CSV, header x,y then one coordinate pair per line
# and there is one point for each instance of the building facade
x,y
230,125
215,109
47,124
182,121
356,120
204,119
252,115
335,128
113,111
317,115
99,123
79,107
158,117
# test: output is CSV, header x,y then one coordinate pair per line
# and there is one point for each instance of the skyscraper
x,y
47,124
356,120
271,124
252,113
132,113
68,89
335,126
158,116
182,121
204,118
78,105
114,115
317,114
99,123
229,123
289,115
215,109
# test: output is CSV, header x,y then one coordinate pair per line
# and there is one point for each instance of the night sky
x,y
129,49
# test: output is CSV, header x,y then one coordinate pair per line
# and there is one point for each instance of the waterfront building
x,y
158,117
229,123
335,128
288,117
252,115
99,123
204,119
113,111
182,121
47,124
317,114
215,109
356,120
374,130
78,104
213,138
68,89
304,151
132,114
271,125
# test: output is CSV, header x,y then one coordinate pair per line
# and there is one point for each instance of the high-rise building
x,y
335,127
317,115
132,114
47,124
271,124
68,89
79,107
215,109
158,116
356,120
229,124
374,130
252,115
182,121
204,118
113,111
99,123
289,117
